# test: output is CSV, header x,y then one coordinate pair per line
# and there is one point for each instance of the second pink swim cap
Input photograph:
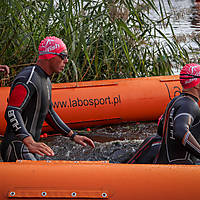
x,y
188,81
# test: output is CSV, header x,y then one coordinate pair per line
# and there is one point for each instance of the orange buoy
x,y
97,180
92,103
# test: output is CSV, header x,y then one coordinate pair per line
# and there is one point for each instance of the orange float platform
x,y
97,180
92,103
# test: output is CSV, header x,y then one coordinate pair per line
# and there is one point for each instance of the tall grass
x,y
106,39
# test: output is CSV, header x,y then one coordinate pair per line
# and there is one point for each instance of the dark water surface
x,y
114,143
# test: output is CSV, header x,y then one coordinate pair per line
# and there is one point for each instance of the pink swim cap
x,y
50,44
188,81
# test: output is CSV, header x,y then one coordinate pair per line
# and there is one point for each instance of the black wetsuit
x,y
29,105
180,122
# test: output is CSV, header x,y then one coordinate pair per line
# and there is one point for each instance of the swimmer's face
x,y
57,63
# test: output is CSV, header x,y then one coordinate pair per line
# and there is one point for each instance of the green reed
x,y
106,39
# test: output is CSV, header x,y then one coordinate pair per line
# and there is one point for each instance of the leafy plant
x,y
106,39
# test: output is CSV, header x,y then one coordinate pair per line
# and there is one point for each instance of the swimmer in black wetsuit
x,y
180,124
30,104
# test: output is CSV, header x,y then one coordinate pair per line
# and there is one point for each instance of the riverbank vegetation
x,y
106,39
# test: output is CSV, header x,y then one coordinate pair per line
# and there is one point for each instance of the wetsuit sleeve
x,y
183,120
55,122
18,99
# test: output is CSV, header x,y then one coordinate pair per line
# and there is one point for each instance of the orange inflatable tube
x,y
86,104
97,180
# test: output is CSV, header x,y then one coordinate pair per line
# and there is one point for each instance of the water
x,y
115,143
185,20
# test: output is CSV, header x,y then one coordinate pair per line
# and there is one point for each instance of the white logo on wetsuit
x,y
171,124
13,120
48,92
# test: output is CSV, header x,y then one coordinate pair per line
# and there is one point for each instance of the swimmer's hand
x,y
79,139
4,68
37,147
83,140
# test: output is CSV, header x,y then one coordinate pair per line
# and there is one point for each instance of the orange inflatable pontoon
x,y
92,103
97,180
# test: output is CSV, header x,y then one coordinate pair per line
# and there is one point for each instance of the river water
x,y
185,16
185,20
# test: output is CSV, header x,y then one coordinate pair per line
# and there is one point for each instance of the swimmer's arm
x,y
182,132
19,97
192,145
55,122
14,120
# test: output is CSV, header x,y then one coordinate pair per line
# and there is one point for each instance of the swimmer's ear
x,y
198,85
